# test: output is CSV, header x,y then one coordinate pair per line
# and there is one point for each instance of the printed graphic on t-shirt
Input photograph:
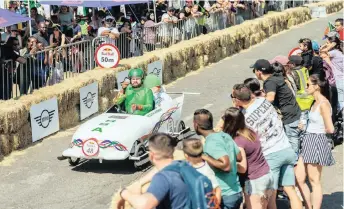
x,y
263,119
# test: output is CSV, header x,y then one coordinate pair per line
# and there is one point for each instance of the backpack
x,y
201,193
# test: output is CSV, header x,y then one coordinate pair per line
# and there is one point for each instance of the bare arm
x,y
51,40
148,178
270,96
140,201
21,60
20,40
242,165
325,110
222,163
218,194
63,39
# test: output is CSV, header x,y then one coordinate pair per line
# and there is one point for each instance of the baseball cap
x,y
281,59
331,34
315,46
171,9
295,59
108,18
14,27
261,64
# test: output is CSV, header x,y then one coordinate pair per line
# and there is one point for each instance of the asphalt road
x,y
34,178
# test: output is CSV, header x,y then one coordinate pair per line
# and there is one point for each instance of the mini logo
x,y
89,99
45,118
156,72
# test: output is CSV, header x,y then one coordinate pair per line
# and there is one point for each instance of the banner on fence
x,y
156,69
44,119
88,100
122,77
107,56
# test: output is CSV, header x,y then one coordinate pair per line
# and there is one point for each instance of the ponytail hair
x,y
254,86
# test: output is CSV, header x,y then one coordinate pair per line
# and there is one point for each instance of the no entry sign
x,y
107,56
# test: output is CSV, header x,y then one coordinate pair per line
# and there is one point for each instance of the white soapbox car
x,y
116,135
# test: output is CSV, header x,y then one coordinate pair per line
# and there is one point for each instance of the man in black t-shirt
x,y
8,58
280,95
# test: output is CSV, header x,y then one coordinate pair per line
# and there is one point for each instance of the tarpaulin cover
x,y
92,3
8,18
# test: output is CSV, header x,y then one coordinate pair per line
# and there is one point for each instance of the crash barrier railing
x,y
43,68
6,79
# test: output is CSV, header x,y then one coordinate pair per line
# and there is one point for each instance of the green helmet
x,y
152,81
136,73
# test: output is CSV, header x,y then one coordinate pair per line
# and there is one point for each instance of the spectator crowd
x,y
59,40
274,139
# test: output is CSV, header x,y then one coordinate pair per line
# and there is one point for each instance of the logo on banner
x,y
45,118
156,72
107,56
155,68
89,99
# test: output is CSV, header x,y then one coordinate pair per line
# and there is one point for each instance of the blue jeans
x,y
232,201
293,133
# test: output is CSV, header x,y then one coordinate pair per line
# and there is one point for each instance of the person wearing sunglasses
x,y
15,33
315,149
109,28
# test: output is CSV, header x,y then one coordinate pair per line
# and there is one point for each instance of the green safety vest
x,y
304,100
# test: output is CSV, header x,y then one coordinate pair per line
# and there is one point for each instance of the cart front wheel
x,y
73,161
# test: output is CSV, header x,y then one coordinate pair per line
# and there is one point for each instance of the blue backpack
x,y
200,189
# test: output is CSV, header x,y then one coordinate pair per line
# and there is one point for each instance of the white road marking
x,y
189,117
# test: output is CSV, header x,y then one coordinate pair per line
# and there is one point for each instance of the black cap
x,y
262,65
296,60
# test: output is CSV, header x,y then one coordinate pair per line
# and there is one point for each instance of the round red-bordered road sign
x,y
90,147
107,56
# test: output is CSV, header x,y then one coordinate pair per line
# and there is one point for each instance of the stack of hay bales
x,y
331,6
15,128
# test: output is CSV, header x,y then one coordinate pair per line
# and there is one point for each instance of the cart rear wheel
x,y
73,161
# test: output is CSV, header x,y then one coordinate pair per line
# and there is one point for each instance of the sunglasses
x,y
308,85
233,97
254,71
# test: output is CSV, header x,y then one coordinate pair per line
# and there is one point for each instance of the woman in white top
x,y
315,149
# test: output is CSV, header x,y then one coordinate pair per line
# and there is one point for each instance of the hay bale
x,y
22,138
70,117
5,145
200,61
180,70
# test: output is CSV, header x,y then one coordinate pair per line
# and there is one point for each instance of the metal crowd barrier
x,y
53,65
6,80
43,68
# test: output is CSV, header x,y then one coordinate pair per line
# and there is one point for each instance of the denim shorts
x,y
231,201
281,164
260,185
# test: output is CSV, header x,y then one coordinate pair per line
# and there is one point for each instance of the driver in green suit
x,y
138,100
